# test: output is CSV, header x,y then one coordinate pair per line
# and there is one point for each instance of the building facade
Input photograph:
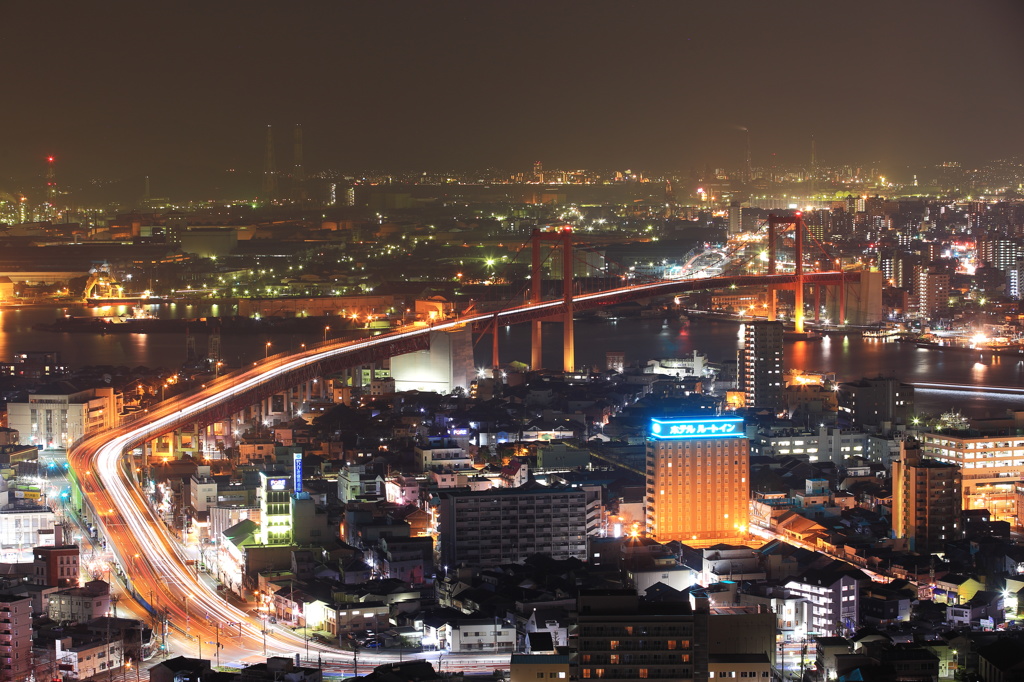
x,y
56,420
698,480
507,525
926,499
990,466
760,364
15,637
621,638
57,566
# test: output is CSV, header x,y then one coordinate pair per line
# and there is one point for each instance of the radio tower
x,y
814,164
298,170
269,169
51,188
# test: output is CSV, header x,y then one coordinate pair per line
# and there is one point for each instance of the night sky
x,y
177,90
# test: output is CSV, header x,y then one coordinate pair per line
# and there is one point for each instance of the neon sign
x,y
679,429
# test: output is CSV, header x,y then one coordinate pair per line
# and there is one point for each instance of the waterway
x,y
848,357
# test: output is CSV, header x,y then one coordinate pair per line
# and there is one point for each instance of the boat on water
x,y
138,313
883,333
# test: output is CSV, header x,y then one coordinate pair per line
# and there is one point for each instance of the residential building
x,y
15,637
533,667
931,290
876,402
57,566
80,604
698,487
620,637
83,658
38,364
926,499
834,592
441,455
759,374
507,525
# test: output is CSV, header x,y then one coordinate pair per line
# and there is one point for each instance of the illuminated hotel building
x,y
698,480
991,466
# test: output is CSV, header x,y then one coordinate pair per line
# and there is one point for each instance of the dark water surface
x,y
849,357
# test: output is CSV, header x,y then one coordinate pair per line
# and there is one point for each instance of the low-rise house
x,y
80,604
984,609
955,588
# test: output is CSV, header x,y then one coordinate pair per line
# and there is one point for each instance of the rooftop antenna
x,y
814,164
51,186
749,169
269,169
298,170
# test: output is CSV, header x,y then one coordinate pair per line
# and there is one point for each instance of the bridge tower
x,y
564,238
799,228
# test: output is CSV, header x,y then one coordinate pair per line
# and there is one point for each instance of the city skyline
x,y
461,85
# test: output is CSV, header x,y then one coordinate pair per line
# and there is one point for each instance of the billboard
x,y
681,429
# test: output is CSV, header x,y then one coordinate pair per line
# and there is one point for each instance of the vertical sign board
x,y
297,470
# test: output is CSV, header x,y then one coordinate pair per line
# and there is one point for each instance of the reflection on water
x,y
849,357
131,350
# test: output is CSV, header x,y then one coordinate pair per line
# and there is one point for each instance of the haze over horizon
x,y
182,91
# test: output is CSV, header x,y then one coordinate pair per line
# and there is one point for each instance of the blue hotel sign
x,y
679,429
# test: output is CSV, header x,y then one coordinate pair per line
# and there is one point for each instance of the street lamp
x,y
261,605
326,329
268,351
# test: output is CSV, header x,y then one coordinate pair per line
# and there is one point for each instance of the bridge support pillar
x,y
842,301
772,303
798,262
536,339
568,330
495,361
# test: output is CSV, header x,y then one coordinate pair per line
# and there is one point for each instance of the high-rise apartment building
x,y
760,364
926,499
999,252
931,289
1015,280
698,480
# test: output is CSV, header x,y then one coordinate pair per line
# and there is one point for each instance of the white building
x,y
436,458
56,420
448,364
829,444
26,527
695,366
